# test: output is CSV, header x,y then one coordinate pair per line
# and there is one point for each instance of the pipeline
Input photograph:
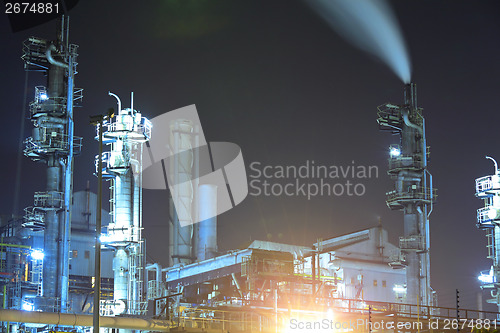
x,y
52,60
409,123
157,269
66,319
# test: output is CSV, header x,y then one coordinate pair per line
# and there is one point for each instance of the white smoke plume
x,y
371,26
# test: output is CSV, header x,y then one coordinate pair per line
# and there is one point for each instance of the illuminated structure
x,y
53,143
125,134
413,192
488,219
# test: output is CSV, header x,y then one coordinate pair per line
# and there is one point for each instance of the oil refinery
x,y
78,261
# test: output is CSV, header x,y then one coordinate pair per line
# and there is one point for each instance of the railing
x,y
225,321
48,144
48,200
134,131
275,319
405,162
484,184
412,243
154,290
33,218
412,195
34,54
48,105
397,259
483,218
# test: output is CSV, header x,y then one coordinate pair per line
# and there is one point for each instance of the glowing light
x,y
492,213
329,314
44,97
399,289
394,152
106,238
487,277
27,306
37,254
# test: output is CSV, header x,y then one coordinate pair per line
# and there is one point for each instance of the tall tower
x,y
488,219
184,170
53,143
413,193
125,135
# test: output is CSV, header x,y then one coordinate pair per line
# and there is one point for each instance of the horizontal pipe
x,y
16,245
66,319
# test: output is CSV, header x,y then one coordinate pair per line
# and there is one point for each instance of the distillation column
x,y
413,193
125,134
53,143
488,219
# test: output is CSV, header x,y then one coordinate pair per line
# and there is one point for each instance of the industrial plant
x,y
76,261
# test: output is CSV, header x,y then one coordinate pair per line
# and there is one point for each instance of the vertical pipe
x,y
496,264
313,270
68,183
97,281
207,235
136,247
51,270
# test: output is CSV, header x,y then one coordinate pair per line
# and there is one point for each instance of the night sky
x,y
275,79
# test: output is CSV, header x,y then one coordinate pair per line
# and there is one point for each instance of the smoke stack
x,y
411,95
207,229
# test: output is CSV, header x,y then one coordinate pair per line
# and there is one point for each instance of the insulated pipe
x,y
54,62
65,319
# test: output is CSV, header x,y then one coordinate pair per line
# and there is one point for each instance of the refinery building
x,y
49,280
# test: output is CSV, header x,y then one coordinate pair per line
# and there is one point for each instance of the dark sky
x,y
273,78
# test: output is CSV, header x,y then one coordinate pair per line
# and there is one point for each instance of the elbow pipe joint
x,y
51,59
118,101
409,123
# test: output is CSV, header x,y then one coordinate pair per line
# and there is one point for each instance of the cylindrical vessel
x,y
207,228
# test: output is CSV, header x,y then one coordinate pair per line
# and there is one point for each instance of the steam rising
x,y
371,26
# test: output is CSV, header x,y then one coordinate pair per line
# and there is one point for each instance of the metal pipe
x,y
97,282
54,62
409,123
65,319
157,269
118,100
495,162
68,183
